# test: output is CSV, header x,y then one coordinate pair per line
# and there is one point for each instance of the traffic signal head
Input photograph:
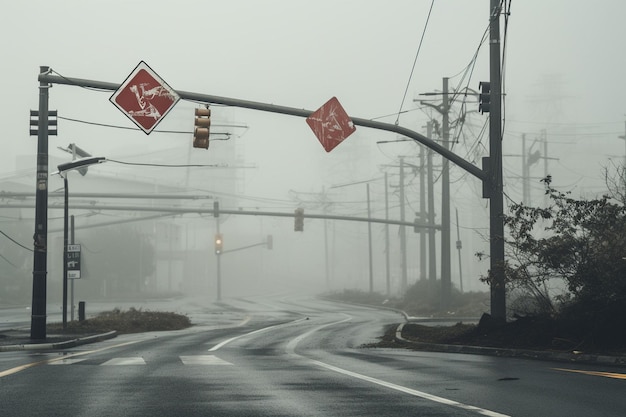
x,y
202,126
299,220
484,97
52,123
270,242
533,158
218,243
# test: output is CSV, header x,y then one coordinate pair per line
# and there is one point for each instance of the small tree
x,y
583,243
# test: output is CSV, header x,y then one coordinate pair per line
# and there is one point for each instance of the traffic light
x,y
270,242
202,126
484,98
218,243
52,123
299,220
533,158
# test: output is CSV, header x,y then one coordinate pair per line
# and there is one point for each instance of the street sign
x,y
331,124
144,98
73,261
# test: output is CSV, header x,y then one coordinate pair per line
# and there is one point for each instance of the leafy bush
x,y
129,321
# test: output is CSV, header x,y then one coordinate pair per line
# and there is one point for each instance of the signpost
x,y
144,97
331,124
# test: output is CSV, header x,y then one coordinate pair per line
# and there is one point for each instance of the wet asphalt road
x,y
292,356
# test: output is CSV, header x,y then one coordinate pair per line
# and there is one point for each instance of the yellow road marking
x,y
613,375
60,358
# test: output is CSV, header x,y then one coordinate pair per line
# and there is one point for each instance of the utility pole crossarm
x,y
272,108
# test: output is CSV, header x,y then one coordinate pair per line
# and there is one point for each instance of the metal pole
x,y
446,274
326,251
525,172
65,243
422,216
624,166
459,246
72,281
40,252
369,238
496,206
402,228
292,111
219,255
387,261
432,252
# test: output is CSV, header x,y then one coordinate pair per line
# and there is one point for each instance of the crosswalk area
x,y
196,360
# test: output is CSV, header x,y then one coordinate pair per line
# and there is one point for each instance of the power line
x,y
167,165
178,132
415,61
14,241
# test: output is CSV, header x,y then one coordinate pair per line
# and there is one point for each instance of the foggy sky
x,y
563,68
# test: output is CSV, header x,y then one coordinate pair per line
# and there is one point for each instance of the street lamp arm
x,y
79,163
227,101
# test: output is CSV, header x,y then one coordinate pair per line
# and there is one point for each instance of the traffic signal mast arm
x,y
204,98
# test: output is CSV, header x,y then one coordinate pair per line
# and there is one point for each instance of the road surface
x,y
293,356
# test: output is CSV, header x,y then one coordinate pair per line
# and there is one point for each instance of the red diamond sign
x,y
331,124
144,98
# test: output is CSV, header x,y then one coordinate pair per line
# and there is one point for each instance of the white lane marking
x,y
203,360
410,391
227,341
68,361
291,346
65,357
138,360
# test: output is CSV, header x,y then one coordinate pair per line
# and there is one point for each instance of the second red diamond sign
x,y
331,124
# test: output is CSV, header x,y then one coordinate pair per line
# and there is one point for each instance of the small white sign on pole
x,y
73,261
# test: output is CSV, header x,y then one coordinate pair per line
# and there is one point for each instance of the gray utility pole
x,y
403,228
369,238
216,214
459,246
529,158
493,186
624,137
387,263
525,173
446,274
422,213
40,256
432,253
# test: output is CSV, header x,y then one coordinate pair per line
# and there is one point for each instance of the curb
x,y
60,345
583,358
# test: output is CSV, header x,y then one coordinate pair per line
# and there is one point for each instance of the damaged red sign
x,y
331,124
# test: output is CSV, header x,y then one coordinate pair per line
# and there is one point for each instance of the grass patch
x,y
125,321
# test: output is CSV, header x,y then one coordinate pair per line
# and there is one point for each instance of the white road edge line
x,y
232,339
291,346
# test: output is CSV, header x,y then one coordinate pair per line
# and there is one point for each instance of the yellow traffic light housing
x,y
298,220
218,243
202,128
